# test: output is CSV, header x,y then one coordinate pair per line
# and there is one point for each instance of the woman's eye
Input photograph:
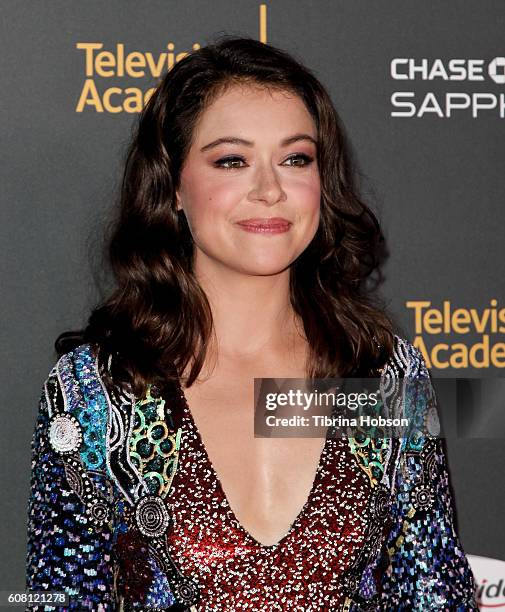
x,y
306,159
228,163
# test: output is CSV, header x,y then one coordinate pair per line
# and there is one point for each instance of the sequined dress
x,y
127,513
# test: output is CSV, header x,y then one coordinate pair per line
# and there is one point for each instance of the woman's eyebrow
x,y
248,143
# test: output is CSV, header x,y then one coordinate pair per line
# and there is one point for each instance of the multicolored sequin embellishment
x,y
126,513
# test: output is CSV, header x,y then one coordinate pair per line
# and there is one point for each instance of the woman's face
x,y
252,158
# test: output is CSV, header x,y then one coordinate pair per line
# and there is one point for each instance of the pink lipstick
x,y
268,225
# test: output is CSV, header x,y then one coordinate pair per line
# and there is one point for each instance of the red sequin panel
x,y
234,571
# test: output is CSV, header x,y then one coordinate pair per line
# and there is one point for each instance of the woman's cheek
x,y
306,186
205,217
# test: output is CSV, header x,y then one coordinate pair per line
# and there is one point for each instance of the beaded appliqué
x,y
152,516
142,454
70,440
65,434
154,449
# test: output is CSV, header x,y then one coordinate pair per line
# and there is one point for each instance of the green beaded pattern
x,y
154,448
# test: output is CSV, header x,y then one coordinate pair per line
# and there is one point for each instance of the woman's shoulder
x,y
76,363
77,406
412,394
406,359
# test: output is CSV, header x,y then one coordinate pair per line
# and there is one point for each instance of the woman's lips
x,y
273,225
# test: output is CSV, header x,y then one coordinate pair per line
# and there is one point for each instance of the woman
x,y
241,251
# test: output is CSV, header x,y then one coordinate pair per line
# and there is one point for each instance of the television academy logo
x,y
447,104
490,579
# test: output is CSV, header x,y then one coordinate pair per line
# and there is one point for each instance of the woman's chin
x,y
264,268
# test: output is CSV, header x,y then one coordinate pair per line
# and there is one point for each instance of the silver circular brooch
x,y
65,433
422,497
187,591
152,516
98,511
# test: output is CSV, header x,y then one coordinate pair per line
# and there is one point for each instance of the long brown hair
x,y
157,320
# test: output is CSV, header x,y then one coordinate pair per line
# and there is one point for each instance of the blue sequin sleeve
x,y
428,569
66,552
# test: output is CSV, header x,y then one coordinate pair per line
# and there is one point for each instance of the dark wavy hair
x,y
157,319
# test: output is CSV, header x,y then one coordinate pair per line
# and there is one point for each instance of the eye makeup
x,y
307,160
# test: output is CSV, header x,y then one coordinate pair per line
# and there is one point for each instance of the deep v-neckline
x,y
301,514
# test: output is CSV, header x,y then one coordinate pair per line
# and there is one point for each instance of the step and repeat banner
x,y
420,88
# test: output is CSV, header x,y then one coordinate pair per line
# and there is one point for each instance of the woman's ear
x,y
178,205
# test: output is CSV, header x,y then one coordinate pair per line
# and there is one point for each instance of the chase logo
x,y
453,83
490,579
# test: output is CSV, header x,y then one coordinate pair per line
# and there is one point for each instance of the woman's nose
x,y
267,186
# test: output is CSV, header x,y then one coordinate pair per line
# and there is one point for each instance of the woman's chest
x,y
217,546
303,562
266,481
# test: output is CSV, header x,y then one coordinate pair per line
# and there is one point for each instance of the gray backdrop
x,y
437,183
